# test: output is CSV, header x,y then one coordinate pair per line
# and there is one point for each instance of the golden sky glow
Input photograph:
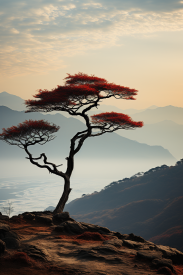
x,y
135,43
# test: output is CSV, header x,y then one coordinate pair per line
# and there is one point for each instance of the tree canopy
x,y
29,132
80,90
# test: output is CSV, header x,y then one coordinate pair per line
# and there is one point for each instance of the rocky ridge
x,y
43,243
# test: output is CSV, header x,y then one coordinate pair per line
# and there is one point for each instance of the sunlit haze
x,y
134,43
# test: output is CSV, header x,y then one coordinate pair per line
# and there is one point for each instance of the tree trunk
x,y
61,204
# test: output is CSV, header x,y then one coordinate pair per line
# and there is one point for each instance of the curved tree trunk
x,y
61,204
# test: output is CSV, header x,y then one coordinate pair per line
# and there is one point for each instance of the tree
x,y
8,209
79,95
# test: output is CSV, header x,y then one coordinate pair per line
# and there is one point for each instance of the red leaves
x,y
79,90
29,133
28,126
100,84
63,95
115,119
115,90
83,79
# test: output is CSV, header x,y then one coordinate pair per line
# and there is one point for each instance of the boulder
x,y
135,238
104,254
149,255
163,262
11,243
132,244
116,242
44,219
106,249
61,217
88,254
35,252
4,217
120,236
29,216
95,228
74,227
4,228
171,253
2,247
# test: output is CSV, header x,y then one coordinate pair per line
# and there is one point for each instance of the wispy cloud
x,y
36,34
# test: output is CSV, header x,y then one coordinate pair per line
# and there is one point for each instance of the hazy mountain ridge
x,y
120,147
12,101
162,125
17,103
170,112
110,108
166,133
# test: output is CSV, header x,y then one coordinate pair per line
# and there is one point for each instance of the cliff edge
x,y
43,243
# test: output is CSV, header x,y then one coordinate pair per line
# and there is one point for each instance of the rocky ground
x,y
40,243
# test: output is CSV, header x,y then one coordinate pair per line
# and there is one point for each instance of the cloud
x,y
36,34
145,5
13,30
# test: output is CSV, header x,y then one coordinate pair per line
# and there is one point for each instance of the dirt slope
x,y
37,243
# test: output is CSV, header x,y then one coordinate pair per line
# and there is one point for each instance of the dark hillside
x,y
161,183
171,237
147,205
147,218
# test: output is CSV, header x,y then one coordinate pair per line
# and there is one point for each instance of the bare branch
x,y
53,171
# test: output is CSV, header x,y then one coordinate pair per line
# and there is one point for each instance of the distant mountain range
x,y
12,101
110,145
110,108
149,205
165,133
151,115
163,126
17,103
159,114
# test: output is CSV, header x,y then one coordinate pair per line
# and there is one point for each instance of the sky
x,y
133,43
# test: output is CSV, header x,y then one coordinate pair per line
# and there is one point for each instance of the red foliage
x,y
63,96
115,90
28,127
81,78
115,119
79,90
